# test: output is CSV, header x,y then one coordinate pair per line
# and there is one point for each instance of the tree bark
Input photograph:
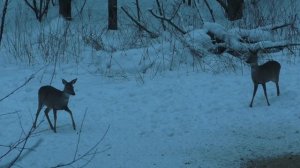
x,y
189,2
233,8
65,9
3,19
112,14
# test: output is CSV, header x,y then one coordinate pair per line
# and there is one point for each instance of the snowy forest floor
x,y
177,119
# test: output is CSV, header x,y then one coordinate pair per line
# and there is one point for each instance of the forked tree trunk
x,y
65,9
112,14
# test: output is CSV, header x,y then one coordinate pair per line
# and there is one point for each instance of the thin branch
x,y
152,34
44,11
40,11
9,113
199,11
22,149
17,143
176,11
79,11
87,153
168,21
12,92
4,11
286,24
82,7
160,10
79,136
210,10
223,4
25,83
62,41
19,148
280,47
138,10
27,3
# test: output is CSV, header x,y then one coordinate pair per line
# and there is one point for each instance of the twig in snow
x,y
9,113
25,83
79,136
12,92
281,25
92,151
16,146
22,148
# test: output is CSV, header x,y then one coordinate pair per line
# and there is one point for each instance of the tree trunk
x,y
189,2
65,9
235,9
112,14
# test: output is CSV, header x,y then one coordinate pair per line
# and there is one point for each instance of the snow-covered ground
x,y
177,119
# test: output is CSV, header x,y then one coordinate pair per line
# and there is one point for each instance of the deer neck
x,y
66,95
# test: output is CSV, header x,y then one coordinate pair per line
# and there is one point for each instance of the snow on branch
x,y
239,41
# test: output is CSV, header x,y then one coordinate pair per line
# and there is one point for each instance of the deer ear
x,y
64,81
74,81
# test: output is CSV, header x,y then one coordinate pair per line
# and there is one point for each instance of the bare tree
x,y
40,8
65,9
112,14
3,19
232,8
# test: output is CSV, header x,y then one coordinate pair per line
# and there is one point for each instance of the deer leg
x,y
278,91
265,91
55,118
37,114
47,116
70,112
254,92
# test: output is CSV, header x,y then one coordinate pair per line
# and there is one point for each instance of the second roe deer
x,y
261,74
55,99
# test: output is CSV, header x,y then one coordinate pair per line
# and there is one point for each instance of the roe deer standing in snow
x,y
261,74
56,100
